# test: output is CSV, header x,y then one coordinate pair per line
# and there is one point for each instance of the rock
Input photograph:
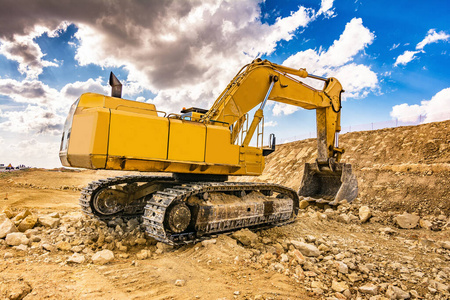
x,y
342,267
284,258
48,247
364,213
132,223
54,215
310,239
344,218
141,241
317,284
205,243
353,277
298,256
63,246
394,292
339,286
21,247
9,214
180,282
48,221
143,254
324,248
16,239
20,216
245,236
17,290
161,247
387,230
6,226
438,286
278,267
306,249
76,258
369,289
28,223
303,204
77,249
103,257
425,224
445,245
407,221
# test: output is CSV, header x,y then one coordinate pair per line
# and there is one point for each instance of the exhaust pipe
x,y
329,184
116,86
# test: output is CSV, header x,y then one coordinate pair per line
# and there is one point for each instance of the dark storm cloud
x,y
19,16
48,128
27,89
130,31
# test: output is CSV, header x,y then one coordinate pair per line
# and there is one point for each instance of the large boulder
x,y
6,226
246,237
407,221
28,223
16,239
20,216
103,257
49,221
306,249
364,213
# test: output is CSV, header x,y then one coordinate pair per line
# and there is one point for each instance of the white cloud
x,y
280,109
270,124
43,109
357,80
435,109
326,8
395,46
406,57
34,119
31,152
433,37
24,50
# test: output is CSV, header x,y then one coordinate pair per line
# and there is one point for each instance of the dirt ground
x,y
401,169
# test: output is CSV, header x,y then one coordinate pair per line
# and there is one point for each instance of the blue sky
x,y
392,58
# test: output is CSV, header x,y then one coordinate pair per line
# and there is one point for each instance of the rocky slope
x,y
403,168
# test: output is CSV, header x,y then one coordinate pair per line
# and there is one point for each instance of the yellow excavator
x,y
201,148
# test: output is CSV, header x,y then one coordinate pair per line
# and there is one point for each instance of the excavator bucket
x,y
329,185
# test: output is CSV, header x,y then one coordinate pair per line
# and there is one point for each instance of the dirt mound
x,y
403,168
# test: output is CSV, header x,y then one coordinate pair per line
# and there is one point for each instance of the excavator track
x,y
130,210
208,218
215,218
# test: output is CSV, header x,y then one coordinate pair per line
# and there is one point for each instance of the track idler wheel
x,y
178,217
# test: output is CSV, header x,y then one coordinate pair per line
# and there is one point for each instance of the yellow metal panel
x,y
130,106
89,136
138,136
219,149
253,160
186,141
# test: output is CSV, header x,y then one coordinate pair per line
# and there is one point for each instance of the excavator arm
x,y
326,180
262,80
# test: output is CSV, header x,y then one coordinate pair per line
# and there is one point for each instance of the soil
x,y
399,169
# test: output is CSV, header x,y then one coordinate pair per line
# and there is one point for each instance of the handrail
x,y
134,107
